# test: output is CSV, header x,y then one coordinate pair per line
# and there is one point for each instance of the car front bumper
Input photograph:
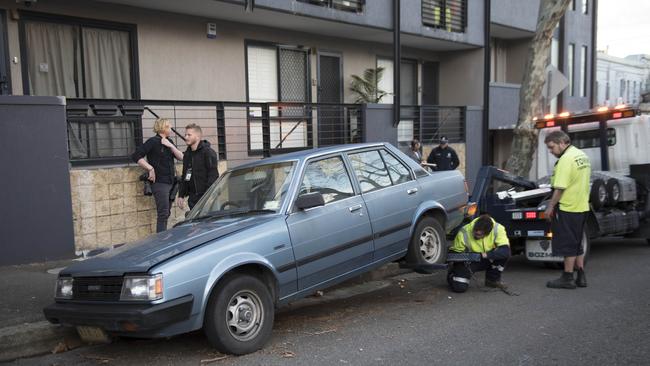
x,y
121,317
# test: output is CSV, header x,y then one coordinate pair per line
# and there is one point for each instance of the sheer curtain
x,y
52,58
107,68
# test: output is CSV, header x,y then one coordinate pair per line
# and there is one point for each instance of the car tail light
x,y
531,215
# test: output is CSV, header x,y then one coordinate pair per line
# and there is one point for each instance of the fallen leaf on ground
x,y
288,354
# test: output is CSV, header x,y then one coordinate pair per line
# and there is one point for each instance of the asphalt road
x,y
607,323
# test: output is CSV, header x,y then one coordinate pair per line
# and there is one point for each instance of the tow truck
x,y
617,141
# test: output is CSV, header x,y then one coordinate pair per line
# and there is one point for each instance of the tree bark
x,y
524,143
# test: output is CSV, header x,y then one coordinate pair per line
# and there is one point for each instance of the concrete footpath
x,y
27,289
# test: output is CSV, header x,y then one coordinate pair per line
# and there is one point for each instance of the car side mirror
x,y
309,200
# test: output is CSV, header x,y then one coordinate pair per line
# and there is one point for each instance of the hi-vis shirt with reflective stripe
x,y
465,241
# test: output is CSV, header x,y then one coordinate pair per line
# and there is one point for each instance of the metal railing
x,y
450,15
108,131
345,5
428,123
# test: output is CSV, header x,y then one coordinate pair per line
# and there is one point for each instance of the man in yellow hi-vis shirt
x,y
483,235
570,182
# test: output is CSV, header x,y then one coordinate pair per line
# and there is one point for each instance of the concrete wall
x,y
461,78
520,14
504,105
474,140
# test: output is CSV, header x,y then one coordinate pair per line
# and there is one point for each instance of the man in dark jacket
x,y
443,157
199,167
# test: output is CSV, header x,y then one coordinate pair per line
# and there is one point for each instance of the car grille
x,y
97,288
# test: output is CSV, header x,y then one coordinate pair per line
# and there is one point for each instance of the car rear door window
x,y
399,173
370,170
329,178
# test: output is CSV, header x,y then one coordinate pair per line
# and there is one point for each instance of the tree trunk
x,y
524,143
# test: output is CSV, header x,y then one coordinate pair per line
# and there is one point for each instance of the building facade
x,y
622,80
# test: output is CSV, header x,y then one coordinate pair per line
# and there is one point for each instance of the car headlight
x,y
138,288
64,288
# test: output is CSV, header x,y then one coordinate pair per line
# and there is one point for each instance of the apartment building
x,y
622,79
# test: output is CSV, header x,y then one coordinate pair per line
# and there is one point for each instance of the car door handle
x,y
412,191
355,208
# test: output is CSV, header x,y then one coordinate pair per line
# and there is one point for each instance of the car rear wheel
x,y
239,315
428,244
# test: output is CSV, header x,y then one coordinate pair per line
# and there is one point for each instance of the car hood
x,y
140,256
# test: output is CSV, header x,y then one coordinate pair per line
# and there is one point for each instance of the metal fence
x,y
108,131
428,123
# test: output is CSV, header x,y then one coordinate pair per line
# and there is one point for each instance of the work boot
x,y
581,281
565,281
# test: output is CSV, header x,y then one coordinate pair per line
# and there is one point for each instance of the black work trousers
x,y
461,272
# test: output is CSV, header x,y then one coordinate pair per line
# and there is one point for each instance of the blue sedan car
x,y
264,234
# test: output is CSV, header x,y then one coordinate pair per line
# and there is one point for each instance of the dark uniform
x,y
444,158
199,172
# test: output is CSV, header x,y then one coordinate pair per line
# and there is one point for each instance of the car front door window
x,y
398,172
329,178
370,170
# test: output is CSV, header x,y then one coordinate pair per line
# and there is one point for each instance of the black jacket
x,y
445,159
159,157
204,164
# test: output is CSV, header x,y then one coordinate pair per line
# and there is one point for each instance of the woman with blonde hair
x,y
160,153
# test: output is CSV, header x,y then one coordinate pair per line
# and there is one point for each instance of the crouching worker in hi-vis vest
x,y
485,236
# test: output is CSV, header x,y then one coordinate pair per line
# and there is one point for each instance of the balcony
x,y
513,19
504,105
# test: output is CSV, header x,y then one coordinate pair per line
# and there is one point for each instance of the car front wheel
x,y
239,315
428,243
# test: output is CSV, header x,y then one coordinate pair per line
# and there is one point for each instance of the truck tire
x,y
598,194
428,244
239,316
613,192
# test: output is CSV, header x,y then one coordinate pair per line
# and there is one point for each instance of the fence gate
x,y
36,224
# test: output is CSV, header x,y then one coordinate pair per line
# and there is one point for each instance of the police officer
x,y
483,235
443,157
570,182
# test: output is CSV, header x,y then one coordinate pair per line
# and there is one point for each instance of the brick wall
x,y
108,207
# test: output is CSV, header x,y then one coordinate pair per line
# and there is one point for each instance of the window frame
x,y
296,193
308,91
131,29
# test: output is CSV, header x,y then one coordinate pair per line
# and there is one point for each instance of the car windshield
x,y
260,188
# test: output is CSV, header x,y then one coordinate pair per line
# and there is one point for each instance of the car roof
x,y
308,153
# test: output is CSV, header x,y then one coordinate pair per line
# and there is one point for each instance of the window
x,y
571,67
370,170
77,58
622,88
398,172
583,71
573,5
555,61
277,73
408,81
591,138
450,15
585,6
345,5
329,178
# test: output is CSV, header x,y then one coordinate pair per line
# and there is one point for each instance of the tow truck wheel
x,y
239,316
598,194
428,244
613,192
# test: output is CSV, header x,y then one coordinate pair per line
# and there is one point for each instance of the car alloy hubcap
x,y
244,315
615,192
430,244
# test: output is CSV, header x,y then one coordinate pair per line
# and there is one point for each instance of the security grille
x,y
330,119
450,15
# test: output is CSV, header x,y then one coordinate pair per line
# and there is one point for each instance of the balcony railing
x,y
450,15
107,131
428,123
355,6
